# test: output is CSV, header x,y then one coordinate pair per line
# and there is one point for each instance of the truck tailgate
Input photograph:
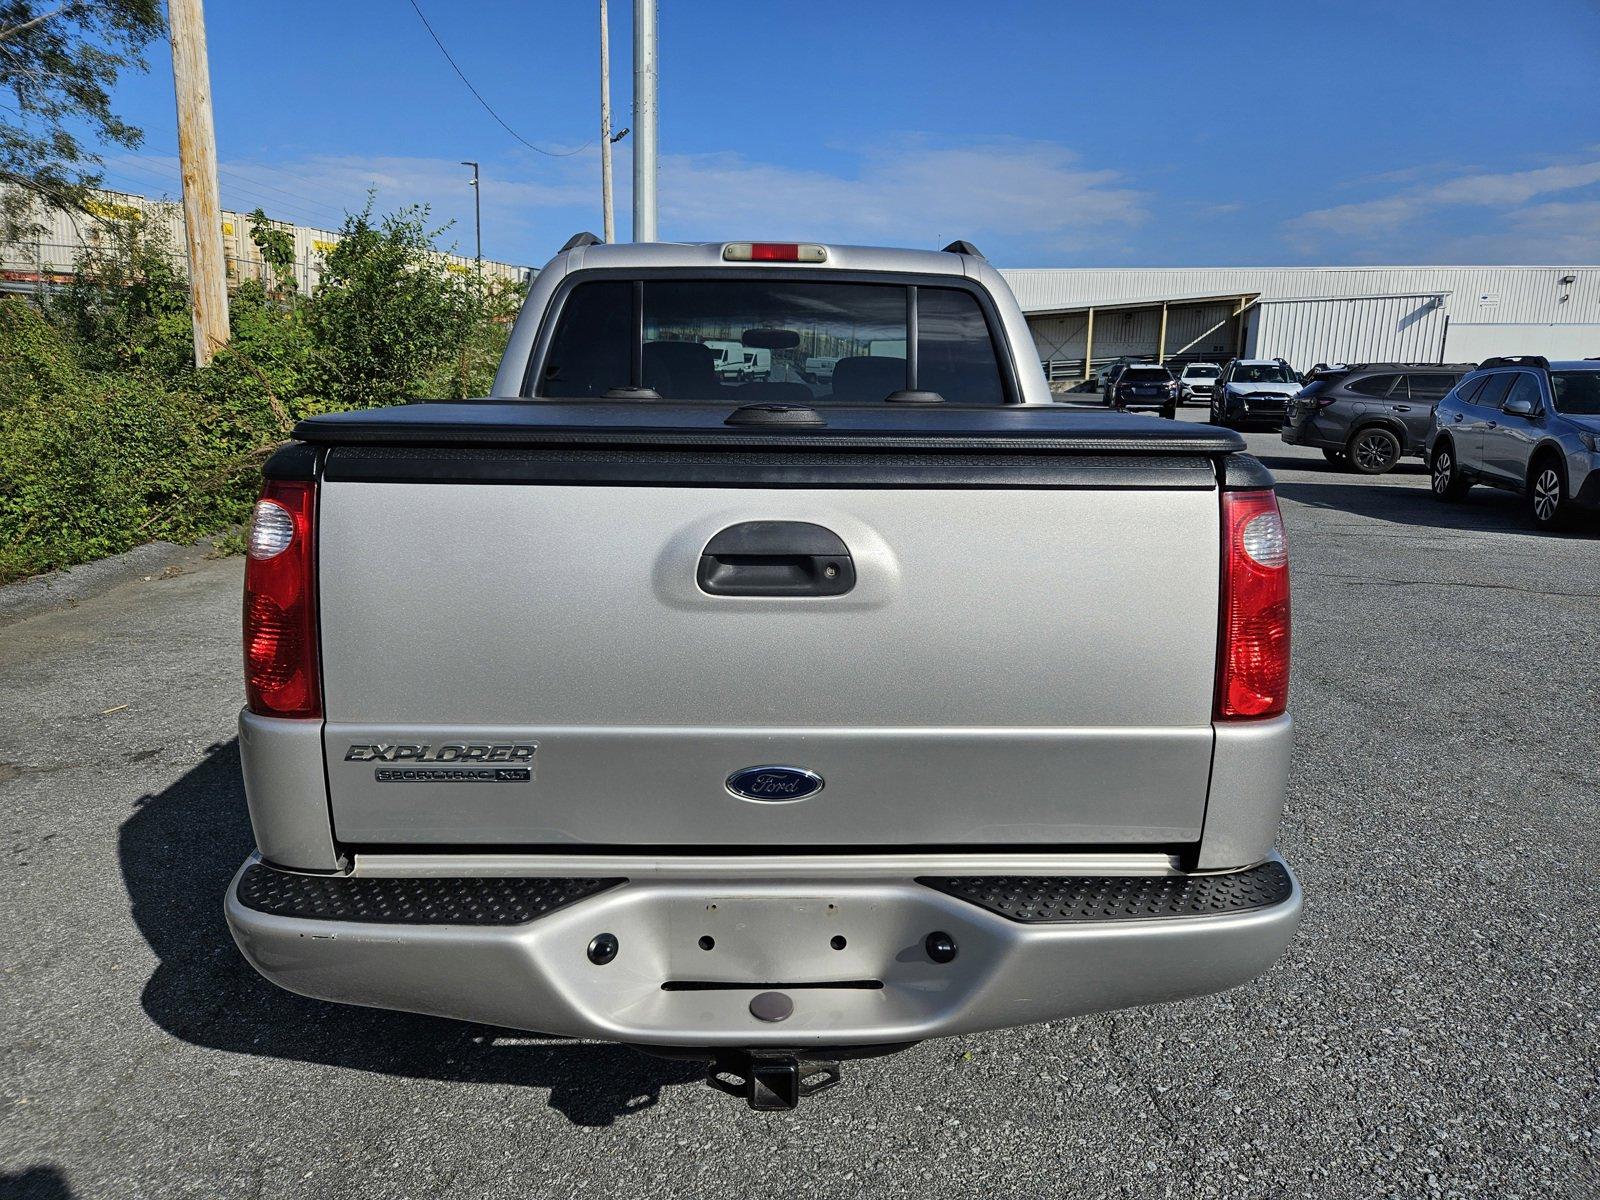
x,y
1018,662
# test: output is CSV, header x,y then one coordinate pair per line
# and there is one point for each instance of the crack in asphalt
x,y
1381,581
1129,1070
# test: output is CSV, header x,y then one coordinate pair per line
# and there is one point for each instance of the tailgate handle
x,y
776,558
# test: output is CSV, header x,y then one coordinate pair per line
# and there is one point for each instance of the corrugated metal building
x,y
48,257
1083,317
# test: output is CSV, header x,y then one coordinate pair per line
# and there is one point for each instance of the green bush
x,y
109,437
92,463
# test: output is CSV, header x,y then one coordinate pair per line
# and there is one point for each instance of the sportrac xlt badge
x,y
455,762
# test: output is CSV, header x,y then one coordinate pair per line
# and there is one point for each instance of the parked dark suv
x,y
1370,415
1144,385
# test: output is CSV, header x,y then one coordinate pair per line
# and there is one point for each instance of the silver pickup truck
x,y
770,723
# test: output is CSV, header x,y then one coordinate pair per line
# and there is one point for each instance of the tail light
x,y
1253,643
281,677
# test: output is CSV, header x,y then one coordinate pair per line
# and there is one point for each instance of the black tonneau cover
x,y
513,422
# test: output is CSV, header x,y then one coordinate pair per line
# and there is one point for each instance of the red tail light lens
x,y
281,677
1253,646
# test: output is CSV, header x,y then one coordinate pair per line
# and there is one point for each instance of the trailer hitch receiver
x,y
771,1081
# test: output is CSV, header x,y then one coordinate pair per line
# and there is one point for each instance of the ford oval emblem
x,y
774,785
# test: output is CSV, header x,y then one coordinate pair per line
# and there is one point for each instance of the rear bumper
x,y
850,950
1304,435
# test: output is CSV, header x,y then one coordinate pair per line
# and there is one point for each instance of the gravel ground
x,y
1431,1032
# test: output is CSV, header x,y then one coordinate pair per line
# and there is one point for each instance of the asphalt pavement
x,y
1432,1031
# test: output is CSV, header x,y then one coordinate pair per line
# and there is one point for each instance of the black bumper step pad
x,y
390,901
1082,899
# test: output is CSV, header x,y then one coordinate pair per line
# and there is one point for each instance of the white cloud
x,y
913,194
1556,233
908,193
1374,226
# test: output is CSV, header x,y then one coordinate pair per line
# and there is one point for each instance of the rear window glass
x,y
1373,385
1577,392
1470,389
770,340
955,354
1146,375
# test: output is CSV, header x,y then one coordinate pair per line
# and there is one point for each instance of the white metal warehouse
x,y
1082,317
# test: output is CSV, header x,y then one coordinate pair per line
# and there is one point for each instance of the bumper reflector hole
x,y
707,942
940,946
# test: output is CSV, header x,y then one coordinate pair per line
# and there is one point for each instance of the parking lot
x,y
1433,1030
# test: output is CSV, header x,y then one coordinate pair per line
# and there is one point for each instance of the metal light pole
x,y
477,217
644,120
607,212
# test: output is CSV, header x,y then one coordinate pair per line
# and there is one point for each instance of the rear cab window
x,y
771,340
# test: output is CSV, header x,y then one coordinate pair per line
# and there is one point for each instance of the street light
x,y
477,215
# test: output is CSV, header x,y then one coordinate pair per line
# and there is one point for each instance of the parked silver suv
x,y
1527,425
1369,415
1252,391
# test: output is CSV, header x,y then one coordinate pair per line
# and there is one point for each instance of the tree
x,y
277,250
127,303
59,62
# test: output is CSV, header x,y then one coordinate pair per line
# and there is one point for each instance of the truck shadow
x,y
1484,510
35,1183
1413,467
178,851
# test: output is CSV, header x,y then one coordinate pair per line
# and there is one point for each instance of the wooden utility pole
x,y
608,214
197,161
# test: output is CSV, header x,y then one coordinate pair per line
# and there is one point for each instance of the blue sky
x,y
1051,134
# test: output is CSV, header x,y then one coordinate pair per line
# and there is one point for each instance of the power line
x,y
258,184
299,212
485,103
